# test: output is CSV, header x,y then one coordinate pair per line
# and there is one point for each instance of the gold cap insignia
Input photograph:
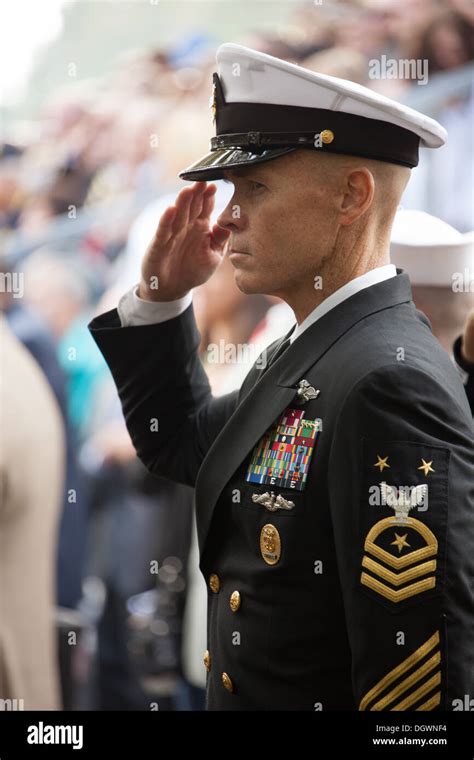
x,y
327,136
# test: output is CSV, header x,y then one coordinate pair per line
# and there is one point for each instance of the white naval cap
x,y
265,107
429,250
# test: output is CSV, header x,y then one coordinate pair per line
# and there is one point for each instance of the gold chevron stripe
x,y
417,675
402,593
397,562
400,669
431,703
396,579
412,698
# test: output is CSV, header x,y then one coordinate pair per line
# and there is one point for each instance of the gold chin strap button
x,y
234,601
207,660
227,681
214,583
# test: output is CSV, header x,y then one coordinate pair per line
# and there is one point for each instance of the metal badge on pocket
x,y
283,454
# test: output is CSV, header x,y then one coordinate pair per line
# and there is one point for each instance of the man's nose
x,y
231,217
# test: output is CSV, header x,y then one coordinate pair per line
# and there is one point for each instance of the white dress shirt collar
x,y
365,280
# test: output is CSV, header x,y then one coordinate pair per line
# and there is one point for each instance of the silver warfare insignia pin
x,y
272,502
306,392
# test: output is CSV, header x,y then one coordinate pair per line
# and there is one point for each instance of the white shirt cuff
x,y
136,312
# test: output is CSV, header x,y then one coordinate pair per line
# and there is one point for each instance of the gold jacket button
x,y
227,681
207,659
234,601
214,583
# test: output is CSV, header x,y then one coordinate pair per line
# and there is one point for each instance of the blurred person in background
x,y
440,263
464,357
132,535
447,42
33,329
58,290
226,318
31,488
11,191
443,41
39,330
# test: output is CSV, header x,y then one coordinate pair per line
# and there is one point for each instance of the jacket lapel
x,y
276,389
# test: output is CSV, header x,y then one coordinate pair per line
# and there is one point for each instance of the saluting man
x,y
333,491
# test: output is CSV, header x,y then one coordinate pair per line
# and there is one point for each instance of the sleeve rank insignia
x,y
414,684
397,549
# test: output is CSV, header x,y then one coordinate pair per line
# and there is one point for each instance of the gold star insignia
x,y
426,467
381,463
400,541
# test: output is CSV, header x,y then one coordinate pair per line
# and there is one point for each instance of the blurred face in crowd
x,y
447,46
306,215
408,19
446,310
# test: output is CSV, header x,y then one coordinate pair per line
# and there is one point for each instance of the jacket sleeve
x,y
170,412
401,482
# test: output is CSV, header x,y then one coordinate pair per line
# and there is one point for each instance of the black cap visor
x,y
217,161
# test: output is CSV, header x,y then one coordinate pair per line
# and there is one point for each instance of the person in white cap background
x,y
333,490
464,357
440,263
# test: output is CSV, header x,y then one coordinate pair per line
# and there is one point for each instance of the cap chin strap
x,y
264,140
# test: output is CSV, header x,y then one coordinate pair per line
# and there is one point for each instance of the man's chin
x,y
248,283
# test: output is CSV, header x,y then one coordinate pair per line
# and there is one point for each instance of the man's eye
x,y
256,185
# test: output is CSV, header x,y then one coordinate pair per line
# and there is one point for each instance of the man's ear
x,y
358,195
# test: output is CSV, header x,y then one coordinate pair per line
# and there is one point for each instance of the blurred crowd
x,y
111,563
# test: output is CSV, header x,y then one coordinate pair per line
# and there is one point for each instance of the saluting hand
x,y
185,250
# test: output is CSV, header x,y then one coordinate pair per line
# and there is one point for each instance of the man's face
x,y
283,220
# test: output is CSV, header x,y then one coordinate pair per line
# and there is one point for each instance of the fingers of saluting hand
x,y
165,227
198,189
183,204
208,200
196,202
